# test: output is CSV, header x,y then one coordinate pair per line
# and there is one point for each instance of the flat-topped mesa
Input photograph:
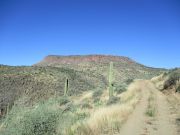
x,y
76,59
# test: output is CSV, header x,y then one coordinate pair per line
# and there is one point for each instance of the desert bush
x,y
167,84
61,101
98,103
151,109
81,114
105,120
97,93
43,119
172,79
85,104
108,119
151,112
120,88
129,81
113,100
37,121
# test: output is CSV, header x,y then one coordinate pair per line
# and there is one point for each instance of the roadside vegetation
x,y
168,81
151,108
60,115
169,84
173,80
108,119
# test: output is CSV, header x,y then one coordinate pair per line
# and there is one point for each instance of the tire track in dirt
x,y
139,123
136,121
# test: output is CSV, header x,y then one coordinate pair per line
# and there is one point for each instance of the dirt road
x,y
159,122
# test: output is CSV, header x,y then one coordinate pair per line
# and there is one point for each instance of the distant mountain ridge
x,y
75,59
124,67
54,60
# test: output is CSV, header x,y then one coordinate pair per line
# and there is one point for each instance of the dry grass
x,y
84,96
159,81
157,78
174,101
132,92
108,119
151,109
1,126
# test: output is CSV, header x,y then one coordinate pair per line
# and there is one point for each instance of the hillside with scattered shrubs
x,y
61,94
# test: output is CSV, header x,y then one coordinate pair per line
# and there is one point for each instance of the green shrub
x,y
43,119
113,100
151,109
86,105
151,112
129,81
98,102
36,121
62,100
97,93
81,115
120,88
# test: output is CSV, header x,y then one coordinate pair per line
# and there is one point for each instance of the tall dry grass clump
x,y
108,119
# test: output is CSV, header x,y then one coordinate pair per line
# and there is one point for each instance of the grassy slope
x,y
84,72
36,83
62,116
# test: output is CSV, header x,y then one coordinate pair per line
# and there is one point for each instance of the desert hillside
x,y
125,68
76,90
44,79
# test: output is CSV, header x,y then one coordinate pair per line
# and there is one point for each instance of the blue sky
x,y
147,31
